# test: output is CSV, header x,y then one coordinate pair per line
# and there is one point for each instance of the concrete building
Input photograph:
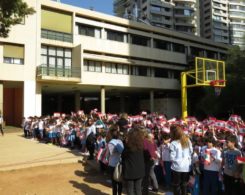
x,y
223,21
179,15
65,58
237,22
215,20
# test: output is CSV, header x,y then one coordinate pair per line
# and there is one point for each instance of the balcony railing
x,y
44,70
59,36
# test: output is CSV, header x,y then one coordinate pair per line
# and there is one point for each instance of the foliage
x,y
12,12
232,96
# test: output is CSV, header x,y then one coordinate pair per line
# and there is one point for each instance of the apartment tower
x,y
179,15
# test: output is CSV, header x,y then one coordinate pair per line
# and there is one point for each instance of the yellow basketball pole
x,y
184,95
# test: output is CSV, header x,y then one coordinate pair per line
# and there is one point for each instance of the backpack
x,y
117,174
104,155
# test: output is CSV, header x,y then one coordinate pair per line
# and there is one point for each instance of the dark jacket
x,y
133,166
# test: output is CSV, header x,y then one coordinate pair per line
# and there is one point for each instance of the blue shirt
x,y
115,148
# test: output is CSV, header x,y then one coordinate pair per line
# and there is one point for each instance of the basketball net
x,y
215,84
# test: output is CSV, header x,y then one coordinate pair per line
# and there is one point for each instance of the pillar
x,y
77,101
102,99
1,98
38,99
152,101
29,98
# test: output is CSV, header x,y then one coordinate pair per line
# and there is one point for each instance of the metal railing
x,y
44,70
59,36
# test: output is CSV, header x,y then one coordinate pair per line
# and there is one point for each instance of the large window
x,y
178,48
92,66
141,71
140,40
162,73
160,44
116,36
56,57
89,30
13,54
116,68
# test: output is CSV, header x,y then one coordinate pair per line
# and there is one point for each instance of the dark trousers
x,y
210,182
167,176
90,146
145,182
232,185
180,181
133,186
1,129
116,186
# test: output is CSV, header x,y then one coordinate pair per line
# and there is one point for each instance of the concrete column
x,y
219,57
1,98
77,101
38,99
122,103
151,43
59,103
204,53
152,101
102,99
29,98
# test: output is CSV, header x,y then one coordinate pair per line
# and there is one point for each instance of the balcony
x,y
45,73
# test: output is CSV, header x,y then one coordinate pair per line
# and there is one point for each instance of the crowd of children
x,y
217,148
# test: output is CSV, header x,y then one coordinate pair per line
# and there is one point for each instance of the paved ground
x,y
17,152
31,168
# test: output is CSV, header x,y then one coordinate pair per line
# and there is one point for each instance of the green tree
x,y
12,12
232,96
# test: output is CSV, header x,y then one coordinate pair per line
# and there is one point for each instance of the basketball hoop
x,y
217,85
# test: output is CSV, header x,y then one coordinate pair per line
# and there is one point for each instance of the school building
x,y
65,58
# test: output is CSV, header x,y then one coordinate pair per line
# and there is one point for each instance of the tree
x,y
12,12
232,96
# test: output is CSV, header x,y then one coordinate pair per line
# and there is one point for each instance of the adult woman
x,y
133,166
180,156
116,147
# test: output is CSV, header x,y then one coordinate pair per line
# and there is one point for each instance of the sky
x,y
104,6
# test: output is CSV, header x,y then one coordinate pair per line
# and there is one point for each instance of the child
x,y
212,165
165,159
232,169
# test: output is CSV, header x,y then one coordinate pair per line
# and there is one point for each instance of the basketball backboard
x,y
209,72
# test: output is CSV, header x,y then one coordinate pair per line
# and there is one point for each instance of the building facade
x,y
223,21
237,22
65,58
179,15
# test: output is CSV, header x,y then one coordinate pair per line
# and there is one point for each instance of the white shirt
x,y
215,163
1,120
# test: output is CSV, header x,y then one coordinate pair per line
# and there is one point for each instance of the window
x,y
116,68
92,66
140,71
160,72
56,57
160,44
140,40
155,8
89,31
13,54
178,48
116,36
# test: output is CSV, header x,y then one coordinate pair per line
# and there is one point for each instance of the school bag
x,y
117,174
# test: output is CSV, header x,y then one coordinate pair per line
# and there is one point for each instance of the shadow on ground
x,y
87,189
